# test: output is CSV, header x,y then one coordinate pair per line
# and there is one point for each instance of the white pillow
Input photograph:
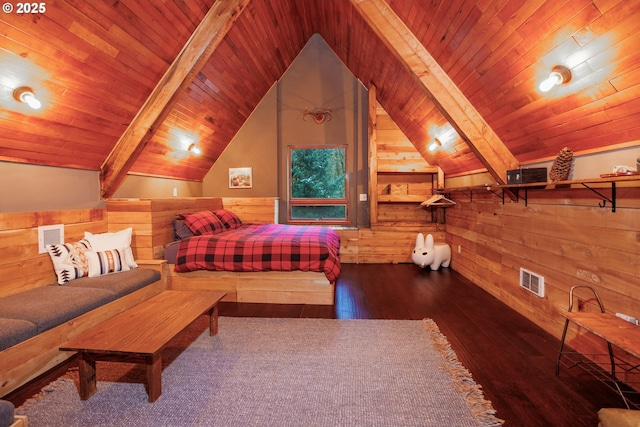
x,y
105,262
108,241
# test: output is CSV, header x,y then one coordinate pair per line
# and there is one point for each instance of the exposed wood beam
x,y
372,128
471,126
195,53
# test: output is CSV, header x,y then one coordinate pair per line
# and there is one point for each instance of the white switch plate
x,y
363,197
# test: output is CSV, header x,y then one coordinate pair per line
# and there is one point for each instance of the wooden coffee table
x,y
141,332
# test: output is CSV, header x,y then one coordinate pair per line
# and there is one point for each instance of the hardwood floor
x,y
513,359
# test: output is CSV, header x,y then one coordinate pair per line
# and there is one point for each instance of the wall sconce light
x,y
25,94
435,145
193,148
319,116
559,75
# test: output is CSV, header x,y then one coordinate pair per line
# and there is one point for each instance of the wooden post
x,y
213,320
154,375
87,375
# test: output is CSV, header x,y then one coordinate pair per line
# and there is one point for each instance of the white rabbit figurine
x,y
428,253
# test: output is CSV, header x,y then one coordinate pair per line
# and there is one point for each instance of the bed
x,y
274,263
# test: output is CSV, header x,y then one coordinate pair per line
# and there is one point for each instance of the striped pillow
x,y
105,262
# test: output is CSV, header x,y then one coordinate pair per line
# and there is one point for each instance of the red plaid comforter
x,y
263,247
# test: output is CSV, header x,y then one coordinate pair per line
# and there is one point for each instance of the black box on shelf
x,y
527,175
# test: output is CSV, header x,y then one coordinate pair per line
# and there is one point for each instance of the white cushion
x,y
117,240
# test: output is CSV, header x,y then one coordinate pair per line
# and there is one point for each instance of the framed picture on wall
x,y
240,178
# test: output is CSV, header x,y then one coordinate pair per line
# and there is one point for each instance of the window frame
x,y
314,201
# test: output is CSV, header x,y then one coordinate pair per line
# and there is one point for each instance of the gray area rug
x,y
283,372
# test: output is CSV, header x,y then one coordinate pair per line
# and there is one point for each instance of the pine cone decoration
x,y
561,165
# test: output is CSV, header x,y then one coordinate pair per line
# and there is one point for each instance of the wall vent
x,y
532,282
49,235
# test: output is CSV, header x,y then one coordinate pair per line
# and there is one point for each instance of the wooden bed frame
x,y
278,287
151,220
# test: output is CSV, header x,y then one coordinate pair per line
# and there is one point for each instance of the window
x,y
318,184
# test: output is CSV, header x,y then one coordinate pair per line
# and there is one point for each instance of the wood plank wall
x,y
399,163
384,244
22,266
152,220
395,225
562,235
261,210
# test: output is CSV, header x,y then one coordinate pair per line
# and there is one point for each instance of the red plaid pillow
x,y
205,222
228,218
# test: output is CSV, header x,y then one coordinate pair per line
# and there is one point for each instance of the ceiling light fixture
x,y
193,148
559,75
25,94
435,144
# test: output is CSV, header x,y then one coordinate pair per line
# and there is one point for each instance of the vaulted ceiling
x,y
113,81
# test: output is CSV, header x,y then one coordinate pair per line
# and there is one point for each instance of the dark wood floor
x,y
511,358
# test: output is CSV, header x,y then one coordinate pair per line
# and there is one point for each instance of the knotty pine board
x,y
566,243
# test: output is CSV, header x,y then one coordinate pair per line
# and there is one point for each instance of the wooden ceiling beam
x,y
471,126
195,53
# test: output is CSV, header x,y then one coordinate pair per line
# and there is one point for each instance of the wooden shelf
x,y
590,184
426,171
397,195
556,184
401,198
546,185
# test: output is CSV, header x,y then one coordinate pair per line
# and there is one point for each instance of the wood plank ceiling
x,y
94,64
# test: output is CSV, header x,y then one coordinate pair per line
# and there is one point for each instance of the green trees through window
x,y
318,183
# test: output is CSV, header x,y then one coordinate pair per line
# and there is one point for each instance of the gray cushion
x,y
121,283
6,413
13,331
50,306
